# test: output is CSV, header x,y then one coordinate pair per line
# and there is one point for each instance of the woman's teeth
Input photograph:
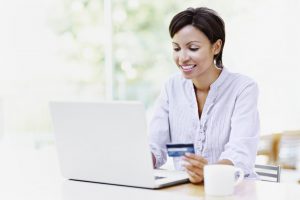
x,y
188,67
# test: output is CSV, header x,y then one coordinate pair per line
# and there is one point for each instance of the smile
x,y
187,68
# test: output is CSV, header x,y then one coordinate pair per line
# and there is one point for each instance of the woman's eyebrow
x,y
193,42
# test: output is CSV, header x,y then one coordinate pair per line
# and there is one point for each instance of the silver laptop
x,y
107,143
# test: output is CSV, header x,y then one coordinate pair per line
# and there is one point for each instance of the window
x,y
55,50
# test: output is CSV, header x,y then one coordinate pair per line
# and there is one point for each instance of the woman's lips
x,y
187,68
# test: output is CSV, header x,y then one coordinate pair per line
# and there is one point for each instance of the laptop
x,y
107,142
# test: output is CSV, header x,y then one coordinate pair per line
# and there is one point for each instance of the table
x,y
31,172
74,190
248,190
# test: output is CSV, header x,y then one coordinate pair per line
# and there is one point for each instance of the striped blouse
x,y
228,127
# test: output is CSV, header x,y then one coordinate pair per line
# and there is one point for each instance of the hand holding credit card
x,y
177,150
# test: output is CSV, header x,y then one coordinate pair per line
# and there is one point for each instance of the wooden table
x,y
30,173
248,190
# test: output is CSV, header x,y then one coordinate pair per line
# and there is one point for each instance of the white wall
x,y
263,42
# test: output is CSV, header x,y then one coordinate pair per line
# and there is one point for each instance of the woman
x,y
205,104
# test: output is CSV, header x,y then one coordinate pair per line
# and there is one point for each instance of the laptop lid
x,y
103,142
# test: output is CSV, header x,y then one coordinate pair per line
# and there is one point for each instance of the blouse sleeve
x,y
159,128
244,136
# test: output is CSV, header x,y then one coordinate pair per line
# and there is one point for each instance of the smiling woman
x,y
206,104
193,52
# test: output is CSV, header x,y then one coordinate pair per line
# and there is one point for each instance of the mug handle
x,y
241,176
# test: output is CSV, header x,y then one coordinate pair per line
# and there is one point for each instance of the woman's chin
x,y
187,75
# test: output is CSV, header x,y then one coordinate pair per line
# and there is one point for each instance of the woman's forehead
x,y
189,34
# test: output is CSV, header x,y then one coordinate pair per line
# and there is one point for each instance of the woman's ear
x,y
217,46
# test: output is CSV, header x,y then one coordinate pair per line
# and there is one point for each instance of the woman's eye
x,y
194,49
176,49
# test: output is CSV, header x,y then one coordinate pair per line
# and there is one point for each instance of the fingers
x,y
195,160
196,170
195,157
194,178
194,163
194,167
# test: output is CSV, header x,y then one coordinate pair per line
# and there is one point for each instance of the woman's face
x,y
192,52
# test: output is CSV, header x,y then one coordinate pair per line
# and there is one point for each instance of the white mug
x,y
220,180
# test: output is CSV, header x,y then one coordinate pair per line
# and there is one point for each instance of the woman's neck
x,y
202,83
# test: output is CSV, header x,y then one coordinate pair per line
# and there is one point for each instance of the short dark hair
x,y
207,21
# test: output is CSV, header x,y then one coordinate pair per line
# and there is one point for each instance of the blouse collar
x,y
223,75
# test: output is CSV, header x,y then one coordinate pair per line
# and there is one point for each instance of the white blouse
x,y
228,127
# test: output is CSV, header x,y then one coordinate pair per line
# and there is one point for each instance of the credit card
x,y
176,150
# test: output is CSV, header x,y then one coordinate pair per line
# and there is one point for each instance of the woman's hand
x,y
194,165
153,160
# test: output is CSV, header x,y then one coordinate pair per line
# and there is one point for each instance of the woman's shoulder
x,y
237,83
240,80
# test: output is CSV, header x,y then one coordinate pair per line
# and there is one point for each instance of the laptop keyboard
x,y
158,177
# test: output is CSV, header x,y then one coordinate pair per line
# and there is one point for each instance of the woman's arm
x,y
244,135
159,129
224,162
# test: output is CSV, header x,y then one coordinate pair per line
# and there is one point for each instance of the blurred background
x,y
120,49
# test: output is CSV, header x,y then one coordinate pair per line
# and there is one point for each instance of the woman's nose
x,y
183,56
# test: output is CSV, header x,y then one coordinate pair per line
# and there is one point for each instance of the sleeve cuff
x,y
237,162
160,156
